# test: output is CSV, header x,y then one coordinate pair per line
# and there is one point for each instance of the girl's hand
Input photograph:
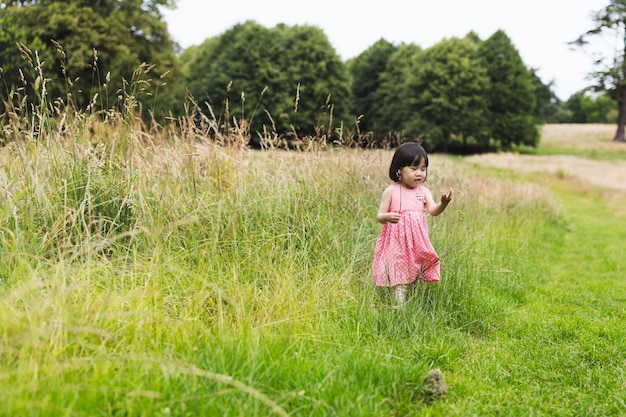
x,y
392,217
446,197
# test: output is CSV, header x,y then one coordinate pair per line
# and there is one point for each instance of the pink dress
x,y
403,250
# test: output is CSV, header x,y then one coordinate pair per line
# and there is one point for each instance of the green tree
x,y
234,72
191,60
590,108
313,70
296,83
93,47
393,94
19,76
447,97
366,71
575,108
597,108
510,91
548,104
610,72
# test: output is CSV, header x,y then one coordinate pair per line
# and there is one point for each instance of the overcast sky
x,y
539,29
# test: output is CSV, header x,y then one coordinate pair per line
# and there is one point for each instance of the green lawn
x,y
561,352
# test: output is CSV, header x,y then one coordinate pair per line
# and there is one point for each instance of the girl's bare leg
x,y
399,293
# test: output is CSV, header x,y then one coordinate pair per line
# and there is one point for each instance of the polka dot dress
x,y
403,251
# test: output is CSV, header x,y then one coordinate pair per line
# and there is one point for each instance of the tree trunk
x,y
621,97
621,114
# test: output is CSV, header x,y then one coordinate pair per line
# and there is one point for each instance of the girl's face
x,y
413,175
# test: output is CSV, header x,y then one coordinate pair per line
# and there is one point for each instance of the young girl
x,y
403,249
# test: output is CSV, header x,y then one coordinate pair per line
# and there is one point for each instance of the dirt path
x,y
610,175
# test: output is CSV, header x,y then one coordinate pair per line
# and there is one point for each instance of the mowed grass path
x,y
563,351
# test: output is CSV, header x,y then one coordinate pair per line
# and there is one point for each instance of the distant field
x,y
585,152
592,137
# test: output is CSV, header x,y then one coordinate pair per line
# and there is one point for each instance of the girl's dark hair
x,y
406,155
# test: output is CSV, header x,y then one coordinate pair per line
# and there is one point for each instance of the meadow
x,y
162,273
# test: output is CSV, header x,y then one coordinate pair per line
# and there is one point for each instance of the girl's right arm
x,y
384,215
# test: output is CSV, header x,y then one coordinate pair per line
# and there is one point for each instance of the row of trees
x,y
462,94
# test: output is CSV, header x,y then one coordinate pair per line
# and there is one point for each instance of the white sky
x,y
539,29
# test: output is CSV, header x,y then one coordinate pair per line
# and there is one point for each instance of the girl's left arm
x,y
435,209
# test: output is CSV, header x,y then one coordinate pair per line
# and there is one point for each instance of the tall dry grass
x,y
138,263
171,270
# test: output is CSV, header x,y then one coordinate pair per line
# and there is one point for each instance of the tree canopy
x,y
366,71
511,93
287,80
88,47
393,94
447,95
